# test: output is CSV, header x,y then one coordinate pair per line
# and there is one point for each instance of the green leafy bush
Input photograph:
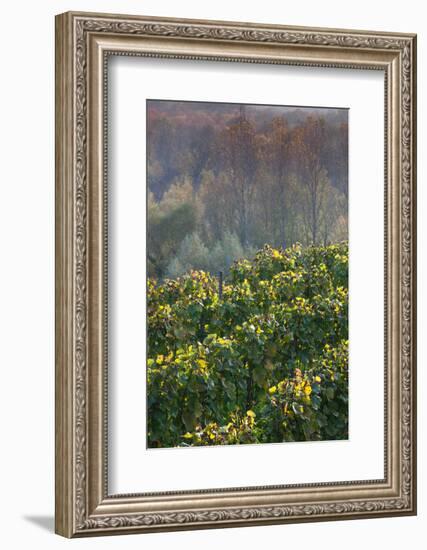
x,y
268,362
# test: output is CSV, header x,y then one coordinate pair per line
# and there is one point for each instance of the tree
x,y
309,142
241,161
217,212
336,156
179,192
225,252
281,166
333,223
165,234
192,254
161,153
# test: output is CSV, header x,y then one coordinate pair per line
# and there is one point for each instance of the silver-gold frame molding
x,y
83,43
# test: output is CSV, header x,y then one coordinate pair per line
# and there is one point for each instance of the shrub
x,y
266,363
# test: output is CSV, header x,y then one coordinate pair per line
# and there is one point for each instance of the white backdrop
x,y
26,289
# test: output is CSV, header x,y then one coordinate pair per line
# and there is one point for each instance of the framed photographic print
x,y
235,274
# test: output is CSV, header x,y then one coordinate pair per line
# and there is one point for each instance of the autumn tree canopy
x,y
225,179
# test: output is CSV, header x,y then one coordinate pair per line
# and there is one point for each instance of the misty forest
x,y
225,179
247,290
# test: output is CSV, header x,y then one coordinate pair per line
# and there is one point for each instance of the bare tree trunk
x,y
244,218
282,215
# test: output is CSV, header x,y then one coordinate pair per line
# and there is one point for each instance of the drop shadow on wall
x,y
44,522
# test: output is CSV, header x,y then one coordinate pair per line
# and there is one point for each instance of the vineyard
x,y
264,360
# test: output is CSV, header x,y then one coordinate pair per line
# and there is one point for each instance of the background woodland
x,y
226,179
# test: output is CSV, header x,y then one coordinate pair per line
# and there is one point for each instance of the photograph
x,y
247,273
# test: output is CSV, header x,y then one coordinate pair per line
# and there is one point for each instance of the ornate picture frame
x,y
84,42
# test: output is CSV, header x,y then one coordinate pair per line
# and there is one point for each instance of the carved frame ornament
x,y
83,43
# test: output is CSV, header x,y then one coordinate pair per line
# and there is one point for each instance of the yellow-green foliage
x,y
268,362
